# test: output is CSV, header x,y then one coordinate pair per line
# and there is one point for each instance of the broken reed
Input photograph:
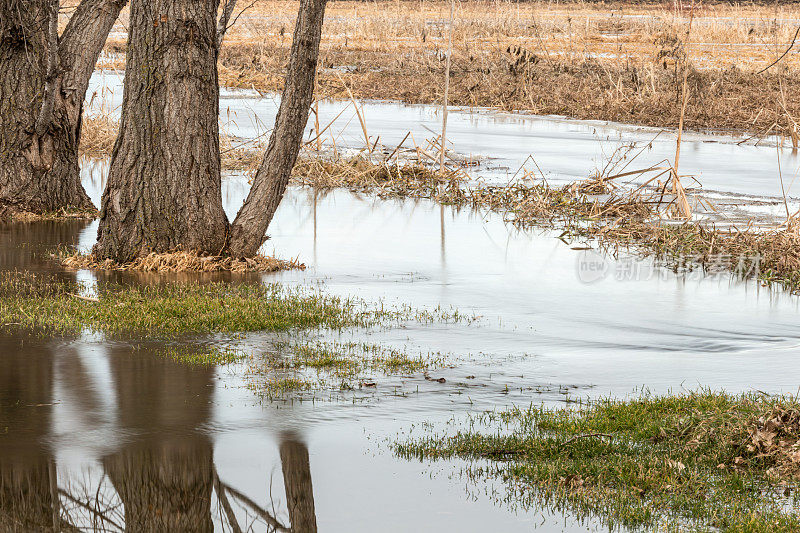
x,y
613,220
632,221
629,221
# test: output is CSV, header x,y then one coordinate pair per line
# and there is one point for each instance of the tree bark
x,y
248,231
164,185
41,99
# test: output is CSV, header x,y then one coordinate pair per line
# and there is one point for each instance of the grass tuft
x,y
694,461
54,306
184,261
204,356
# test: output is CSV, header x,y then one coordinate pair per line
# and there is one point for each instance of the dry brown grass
x,y
184,261
621,61
642,221
9,214
384,179
98,134
616,61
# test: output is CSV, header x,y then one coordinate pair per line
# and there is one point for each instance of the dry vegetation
x,y
184,261
650,220
611,61
618,61
646,220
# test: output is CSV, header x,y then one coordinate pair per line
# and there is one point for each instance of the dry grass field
x,y
611,61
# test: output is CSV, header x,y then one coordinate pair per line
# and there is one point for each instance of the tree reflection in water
x,y
164,479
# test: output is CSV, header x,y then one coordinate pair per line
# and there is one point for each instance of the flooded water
x,y
107,431
117,431
742,177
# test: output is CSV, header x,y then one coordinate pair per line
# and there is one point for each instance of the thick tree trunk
x,y
40,106
164,186
248,231
297,483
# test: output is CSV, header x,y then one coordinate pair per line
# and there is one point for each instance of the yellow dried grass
x,y
184,261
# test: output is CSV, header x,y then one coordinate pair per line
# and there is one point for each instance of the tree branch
x,y
262,513
82,41
222,25
89,508
783,54
223,500
584,436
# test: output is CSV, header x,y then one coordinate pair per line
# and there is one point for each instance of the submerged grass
x,y
335,366
52,306
692,462
203,356
349,358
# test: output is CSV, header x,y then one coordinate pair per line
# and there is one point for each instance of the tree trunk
x,y
165,486
164,185
297,483
40,106
248,231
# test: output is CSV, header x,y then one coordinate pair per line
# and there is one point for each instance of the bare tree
x,y
164,186
43,83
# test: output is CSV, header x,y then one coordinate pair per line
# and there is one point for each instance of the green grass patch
x,y
689,462
204,356
51,306
334,366
350,358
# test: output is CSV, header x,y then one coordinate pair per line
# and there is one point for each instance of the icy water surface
x,y
743,177
120,432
